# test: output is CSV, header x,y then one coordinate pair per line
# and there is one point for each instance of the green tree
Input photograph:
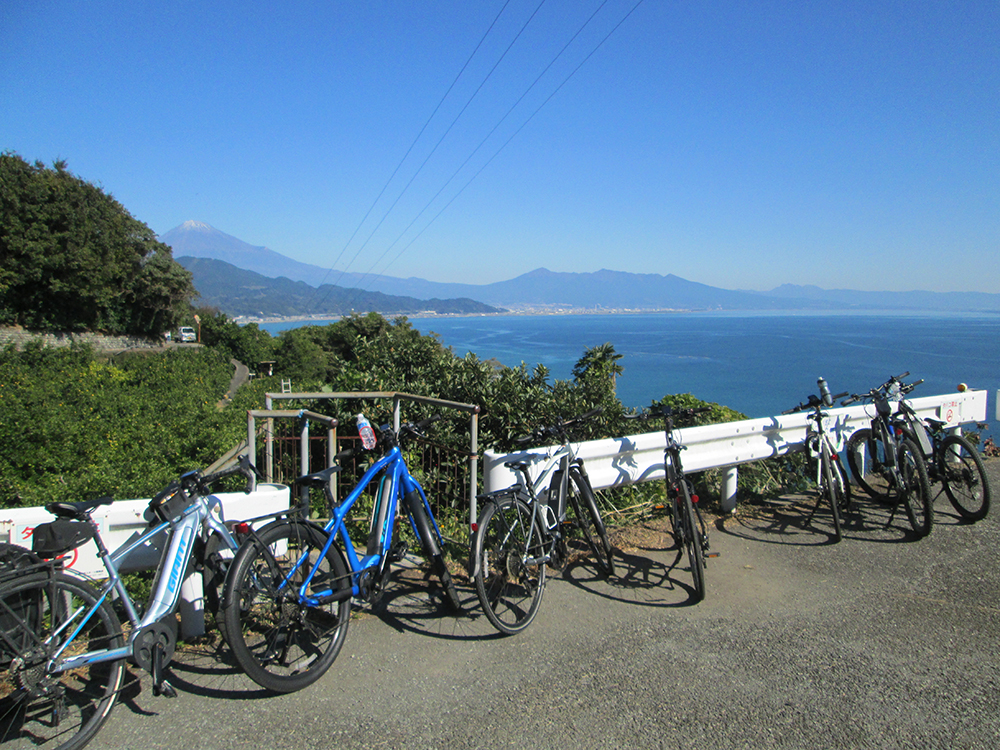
x,y
73,259
247,343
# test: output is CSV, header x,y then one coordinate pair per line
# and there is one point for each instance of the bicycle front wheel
x,y
868,469
832,490
964,477
282,643
62,710
914,490
590,523
688,533
509,564
433,544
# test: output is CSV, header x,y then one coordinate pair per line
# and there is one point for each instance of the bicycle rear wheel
x,y
964,477
61,711
915,491
509,578
589,521
688,534
282,643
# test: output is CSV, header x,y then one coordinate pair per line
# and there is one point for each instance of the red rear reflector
x,y
694,498
475,527
242,528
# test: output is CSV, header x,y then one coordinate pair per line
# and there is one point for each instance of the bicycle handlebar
x,y
669,411
883,390
814,402
558,430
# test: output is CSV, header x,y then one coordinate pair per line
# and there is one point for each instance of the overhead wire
x,y
403,159
513,135
480,145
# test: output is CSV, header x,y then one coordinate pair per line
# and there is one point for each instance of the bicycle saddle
x,y
78,510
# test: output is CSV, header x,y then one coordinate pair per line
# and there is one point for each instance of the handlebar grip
x,y
840,395
590,414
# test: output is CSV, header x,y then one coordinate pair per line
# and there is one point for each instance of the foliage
x,y
247,343
76,426
73,259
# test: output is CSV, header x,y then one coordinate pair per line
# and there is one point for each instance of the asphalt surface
x,y
880,641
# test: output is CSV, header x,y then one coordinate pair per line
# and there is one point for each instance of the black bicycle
x,y
949,458
520,530
887,464
688,527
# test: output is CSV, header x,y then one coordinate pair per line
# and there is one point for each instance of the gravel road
x,y
881,641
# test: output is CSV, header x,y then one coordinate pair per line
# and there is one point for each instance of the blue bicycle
x,y
62,647
288,595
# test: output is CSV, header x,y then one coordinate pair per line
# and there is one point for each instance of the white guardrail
x,y
126,520
639,458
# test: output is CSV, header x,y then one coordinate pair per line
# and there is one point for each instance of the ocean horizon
x,y
758,363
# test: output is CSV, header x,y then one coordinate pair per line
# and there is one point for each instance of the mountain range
x,y
279,282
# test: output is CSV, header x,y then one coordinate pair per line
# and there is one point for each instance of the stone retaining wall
x,y
20,337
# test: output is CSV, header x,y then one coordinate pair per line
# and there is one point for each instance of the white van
x,y
188,334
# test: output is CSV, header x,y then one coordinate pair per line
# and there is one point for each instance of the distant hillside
x,y
544,289
238,292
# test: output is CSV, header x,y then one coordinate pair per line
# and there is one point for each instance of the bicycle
x,y
887,464
62,646
288,596
688,527
518,533
831,479
950,459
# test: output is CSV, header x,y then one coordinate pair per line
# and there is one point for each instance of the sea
x,y
758,363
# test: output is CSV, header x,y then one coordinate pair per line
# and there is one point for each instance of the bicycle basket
x,y
169,503
60,536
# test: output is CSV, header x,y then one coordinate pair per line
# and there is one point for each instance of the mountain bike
x,y
831,479
288,596
887,464
950,459
62,647
521,529
689,530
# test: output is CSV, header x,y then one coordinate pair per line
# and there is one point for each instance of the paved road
x,y
880,641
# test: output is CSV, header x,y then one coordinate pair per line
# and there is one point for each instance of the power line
x,y
504,145
403,159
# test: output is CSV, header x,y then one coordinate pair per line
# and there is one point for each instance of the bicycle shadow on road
x,y
787,521
640,577
415,602
206,667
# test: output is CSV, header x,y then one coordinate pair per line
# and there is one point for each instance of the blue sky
x,y
738,144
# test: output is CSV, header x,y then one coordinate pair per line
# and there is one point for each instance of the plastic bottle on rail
x,y
366,432
824,392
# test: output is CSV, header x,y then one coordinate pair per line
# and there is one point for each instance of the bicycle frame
x,y
169,579
397,482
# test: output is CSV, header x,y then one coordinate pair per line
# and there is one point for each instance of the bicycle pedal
x,y
165,689
398,552
713,554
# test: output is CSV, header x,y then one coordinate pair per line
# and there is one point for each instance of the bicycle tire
x,y
215,559
916,494
433,544
964,477
509,590
868,471
689,533
281,643
831,491
62,711
590,523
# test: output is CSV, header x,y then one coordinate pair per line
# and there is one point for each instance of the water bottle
x,y
824,392
366,432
